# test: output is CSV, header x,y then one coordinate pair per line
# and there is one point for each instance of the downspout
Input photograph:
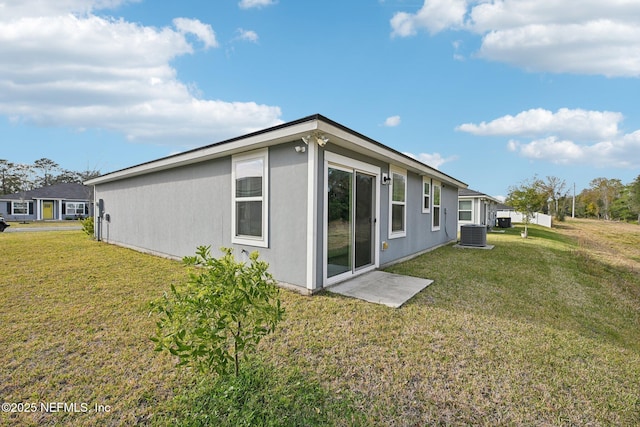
x,y
97,215
446,233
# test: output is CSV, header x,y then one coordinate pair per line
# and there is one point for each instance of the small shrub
x,y
221,314
87,226
560,215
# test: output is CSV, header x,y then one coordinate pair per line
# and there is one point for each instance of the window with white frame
x,y
397,208
21,208
435,217
74,208
426,194
249,187
465,210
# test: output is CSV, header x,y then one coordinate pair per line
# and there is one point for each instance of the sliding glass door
x,y
350,220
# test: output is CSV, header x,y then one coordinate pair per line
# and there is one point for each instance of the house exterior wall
x,y
174,204
419,235
483,211
287,253
5,211
172,212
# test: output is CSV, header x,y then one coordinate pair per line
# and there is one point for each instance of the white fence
x,y
538,218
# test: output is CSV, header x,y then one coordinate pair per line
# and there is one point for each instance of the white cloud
x,y
86,71
622,152
566,123
203,32
434,160
456,51
540,35
249,4
392,121
247,35
13,9
434,16
566,137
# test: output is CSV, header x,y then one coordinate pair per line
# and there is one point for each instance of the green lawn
x,y
533,332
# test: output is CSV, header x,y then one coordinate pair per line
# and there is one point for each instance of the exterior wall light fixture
x,y
320,139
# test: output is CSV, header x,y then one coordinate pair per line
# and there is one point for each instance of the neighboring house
x,y
475,207
320,202
53,202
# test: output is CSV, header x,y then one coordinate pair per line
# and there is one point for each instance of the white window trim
x,y
13,207
403,233
262,241
433,206
465,210
76,204
426,180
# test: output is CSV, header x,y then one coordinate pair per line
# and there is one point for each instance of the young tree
x,y
221,314
527,198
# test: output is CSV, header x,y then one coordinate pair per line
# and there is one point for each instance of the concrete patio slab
x,y
487,247
381,287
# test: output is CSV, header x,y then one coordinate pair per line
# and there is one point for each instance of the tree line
x,y
605,198
17,177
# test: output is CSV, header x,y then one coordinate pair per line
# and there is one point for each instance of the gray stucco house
x,y
53,202
475,207
320,202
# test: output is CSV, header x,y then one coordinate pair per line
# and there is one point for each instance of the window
x,y
249,187
74,208
464,210
426,194
21,208
435,224
398,196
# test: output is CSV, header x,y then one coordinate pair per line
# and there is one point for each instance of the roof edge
x,y
255,139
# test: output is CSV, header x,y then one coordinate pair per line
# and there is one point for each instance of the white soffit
x,y
221,149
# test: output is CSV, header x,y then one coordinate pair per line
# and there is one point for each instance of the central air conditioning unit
x,y
473,235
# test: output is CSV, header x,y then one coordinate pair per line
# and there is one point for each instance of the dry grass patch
x,y
614,242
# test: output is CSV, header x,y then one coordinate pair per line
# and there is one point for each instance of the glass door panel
x,y
339,221
364,220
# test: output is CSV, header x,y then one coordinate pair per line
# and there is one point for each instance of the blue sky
x,y
491,92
